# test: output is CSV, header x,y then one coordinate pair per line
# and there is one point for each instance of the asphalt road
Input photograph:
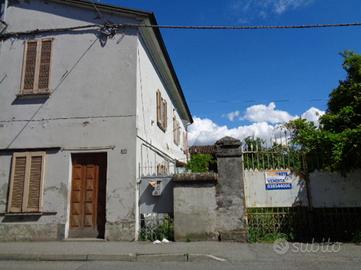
x,y
277,265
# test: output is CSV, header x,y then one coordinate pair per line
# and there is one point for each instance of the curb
x,y
112,257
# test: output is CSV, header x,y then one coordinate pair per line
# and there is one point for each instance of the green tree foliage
x,y
200,163
337,141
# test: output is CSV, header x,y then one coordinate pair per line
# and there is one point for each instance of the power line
x,y
245,27
258,101
108,26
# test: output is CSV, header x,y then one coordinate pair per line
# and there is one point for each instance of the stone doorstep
x,y
159,257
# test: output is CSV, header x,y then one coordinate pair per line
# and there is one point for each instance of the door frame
x,y
102,184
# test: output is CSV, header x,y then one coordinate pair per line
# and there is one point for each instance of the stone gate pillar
x,y
231,210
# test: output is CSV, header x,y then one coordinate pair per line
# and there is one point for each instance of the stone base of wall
x,y
120,231
236,235
31,232
196,237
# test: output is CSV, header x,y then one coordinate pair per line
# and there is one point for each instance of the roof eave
x,y
158,34
153,21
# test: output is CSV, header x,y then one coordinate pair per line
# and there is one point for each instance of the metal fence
x,y
305,224
276,153
295,223
160,169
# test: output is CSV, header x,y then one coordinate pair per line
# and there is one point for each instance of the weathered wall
x,y
154,146
156,204
206,209
258,196
52,225
92,105
334,190
230,197
195,213
326,189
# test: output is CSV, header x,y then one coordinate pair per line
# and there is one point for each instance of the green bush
x,y
163,230
200,163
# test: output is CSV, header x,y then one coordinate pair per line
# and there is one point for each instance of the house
x,y
84,114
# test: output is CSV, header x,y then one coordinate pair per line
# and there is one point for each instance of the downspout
x,y
5,7
3,16
2,20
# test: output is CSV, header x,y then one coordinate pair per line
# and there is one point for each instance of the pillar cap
x,y
228,142
228,147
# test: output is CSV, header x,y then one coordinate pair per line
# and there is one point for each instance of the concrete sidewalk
x,y
172,252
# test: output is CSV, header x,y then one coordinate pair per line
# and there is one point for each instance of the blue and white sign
x,y
278,179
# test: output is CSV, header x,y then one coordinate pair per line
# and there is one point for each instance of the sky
x,y
246,83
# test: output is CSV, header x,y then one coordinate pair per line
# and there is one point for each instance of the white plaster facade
x,y
103,99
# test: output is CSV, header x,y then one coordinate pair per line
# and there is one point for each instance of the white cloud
x,y
266,122
263,8
313,115
233,115
205,131
269,114
281,6
266,113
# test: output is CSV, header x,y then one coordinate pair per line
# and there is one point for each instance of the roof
x,y
153,21
203,149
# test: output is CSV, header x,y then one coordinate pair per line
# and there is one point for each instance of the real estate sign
x,y
278,179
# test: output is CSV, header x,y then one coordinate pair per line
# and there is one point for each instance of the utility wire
x,y
108,26
245,27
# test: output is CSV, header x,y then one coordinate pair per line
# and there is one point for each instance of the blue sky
x,y
229,71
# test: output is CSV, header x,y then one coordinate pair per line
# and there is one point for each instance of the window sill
x,y
33,95
29,214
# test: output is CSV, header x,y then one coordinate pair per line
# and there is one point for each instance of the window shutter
x,y
17,184
159,101
26,182
165,114
44,69
30,66
174,130
35,177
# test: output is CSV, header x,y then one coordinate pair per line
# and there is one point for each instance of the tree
x,y
201,163
338,138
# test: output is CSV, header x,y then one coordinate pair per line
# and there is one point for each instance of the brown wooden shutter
x,y
34,190
159,103
30,66
26,182
165,114
44,69
178,133
174,130
17,184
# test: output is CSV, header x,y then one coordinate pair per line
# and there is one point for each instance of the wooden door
x,y
87,209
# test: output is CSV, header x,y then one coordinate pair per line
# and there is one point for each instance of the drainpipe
x,y
137,210
2,20
3,15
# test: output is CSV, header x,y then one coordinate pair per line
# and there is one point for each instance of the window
x,y
36,67
162,114
26,183
162,169
176,131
